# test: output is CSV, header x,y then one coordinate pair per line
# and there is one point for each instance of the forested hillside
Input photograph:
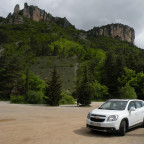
x,y
29,52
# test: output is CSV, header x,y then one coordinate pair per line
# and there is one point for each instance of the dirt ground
x,y
35,124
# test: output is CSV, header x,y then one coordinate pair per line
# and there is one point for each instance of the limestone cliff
x,y
123,32
36,14
16,9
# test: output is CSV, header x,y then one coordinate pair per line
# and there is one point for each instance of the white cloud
x,y
139,40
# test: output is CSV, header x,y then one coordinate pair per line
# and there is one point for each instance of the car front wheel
x,y
122,129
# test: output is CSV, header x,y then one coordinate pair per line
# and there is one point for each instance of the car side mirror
x,y
132,109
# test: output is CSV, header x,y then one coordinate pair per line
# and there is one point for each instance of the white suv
x,y
117,115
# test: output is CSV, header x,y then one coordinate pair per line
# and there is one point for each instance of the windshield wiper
x,y
111,109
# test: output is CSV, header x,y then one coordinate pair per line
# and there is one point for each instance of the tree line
x,y
108,68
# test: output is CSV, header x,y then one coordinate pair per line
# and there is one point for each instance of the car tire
x,y
143,123
122,129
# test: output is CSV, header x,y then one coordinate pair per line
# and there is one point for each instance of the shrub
x,y
66,99
128,92
35,83
71,65
17,99
35,97
98,91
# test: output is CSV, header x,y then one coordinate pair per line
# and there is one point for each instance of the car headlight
x,y
112,118
88,116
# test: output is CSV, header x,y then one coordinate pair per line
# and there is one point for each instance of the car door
x,y
133,115
139,108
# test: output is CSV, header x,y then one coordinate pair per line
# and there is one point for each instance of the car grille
x,y
97,118
98,115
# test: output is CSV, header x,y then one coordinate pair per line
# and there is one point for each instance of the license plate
x,y
95,124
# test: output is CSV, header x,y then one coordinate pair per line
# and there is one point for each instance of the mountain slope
x,y
47,41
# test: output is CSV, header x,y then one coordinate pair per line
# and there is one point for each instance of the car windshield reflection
x,y
114,105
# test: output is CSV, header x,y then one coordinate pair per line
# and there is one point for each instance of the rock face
x,y
36,14
16,9
123,32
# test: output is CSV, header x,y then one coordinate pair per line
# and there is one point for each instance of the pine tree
x,y
13,63
110,79
11,72
120,65
56,51
84,90
53,89
27,84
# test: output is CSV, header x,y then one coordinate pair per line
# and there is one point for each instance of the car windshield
x,y
114,105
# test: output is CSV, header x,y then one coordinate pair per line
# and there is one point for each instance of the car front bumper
x,y
113,126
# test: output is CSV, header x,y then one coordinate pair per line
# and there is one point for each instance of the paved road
x,y
35,124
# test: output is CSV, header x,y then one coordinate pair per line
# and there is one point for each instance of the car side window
x,y
138,104
131,104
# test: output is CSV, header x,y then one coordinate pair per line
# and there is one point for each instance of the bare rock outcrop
x,y
16,9
123,32
36,14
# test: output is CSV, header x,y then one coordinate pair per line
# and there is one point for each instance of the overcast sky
x,y
85,14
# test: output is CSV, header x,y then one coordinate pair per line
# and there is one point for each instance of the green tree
x,y
138,84
127,76
128,92
110,79
13,63
84,89
120,64
134,80
35,83
66,99
96,65
35,97
53,89
1,19
11,72
56,51
34,89
3,37
98,91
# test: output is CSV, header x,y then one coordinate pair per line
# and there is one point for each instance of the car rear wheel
x,y
122,129
143,123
